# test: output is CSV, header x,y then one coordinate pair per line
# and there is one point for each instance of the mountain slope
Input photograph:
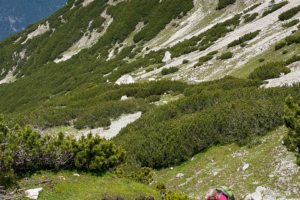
x,y
16,15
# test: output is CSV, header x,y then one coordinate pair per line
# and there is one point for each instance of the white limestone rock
x,y
246,166
167,57
180,175
33,193
256,195
126,79
124,98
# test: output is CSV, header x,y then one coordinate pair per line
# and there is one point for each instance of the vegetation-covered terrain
x,y
62,73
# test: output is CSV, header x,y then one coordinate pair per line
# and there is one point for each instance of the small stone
x,y
171,168
123,98
246,166
76,175
180,175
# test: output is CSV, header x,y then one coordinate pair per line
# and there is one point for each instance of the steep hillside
x,y
201,74
16,15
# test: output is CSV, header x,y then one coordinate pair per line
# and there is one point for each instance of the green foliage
x,y
261,60
285,52
274,8
292,122
185,61
224,3
293,59
252,7
250,18
170,70
279,45
225,56
246,37
209,115
144,175
203,59
25,151
201,42
177,196
289,13
162,15
292,39
212,53
269,70
291,23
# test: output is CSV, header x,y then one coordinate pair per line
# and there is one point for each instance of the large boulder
x,y
167,57
126,79
33,193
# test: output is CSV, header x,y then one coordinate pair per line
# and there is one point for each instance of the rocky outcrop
x,y
167,57
126,79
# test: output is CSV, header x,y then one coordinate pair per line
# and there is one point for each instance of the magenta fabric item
x,y
223,197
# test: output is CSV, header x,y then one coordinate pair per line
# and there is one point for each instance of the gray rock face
x,y
167,57
126,79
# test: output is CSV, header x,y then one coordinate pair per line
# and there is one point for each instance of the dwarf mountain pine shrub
x,y
292,122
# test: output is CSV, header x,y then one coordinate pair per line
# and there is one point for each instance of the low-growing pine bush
x,y
289,13
170,70
279,45
26,151
269,70
225,56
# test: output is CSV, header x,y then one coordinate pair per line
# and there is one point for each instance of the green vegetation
x,y
200,42
269,70
246,37
162,15
261,60
204,59
291,121
199,172
224,3
53,152
252,7
291,23
292,39
170,70
213,53
185,61
289,13
274,8
192,124
279,45
250,18
225,56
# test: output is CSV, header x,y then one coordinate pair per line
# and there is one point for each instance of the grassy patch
x,y
211,169
65,185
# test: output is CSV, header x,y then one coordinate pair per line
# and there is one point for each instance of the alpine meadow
x,y
153,99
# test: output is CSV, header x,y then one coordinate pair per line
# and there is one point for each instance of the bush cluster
x,y
252,7
269,70
224,3
26,151
203,59
225,56
250,18
289,13
246,37
170,70
291,23
220,112
291,121
274,8
279,45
